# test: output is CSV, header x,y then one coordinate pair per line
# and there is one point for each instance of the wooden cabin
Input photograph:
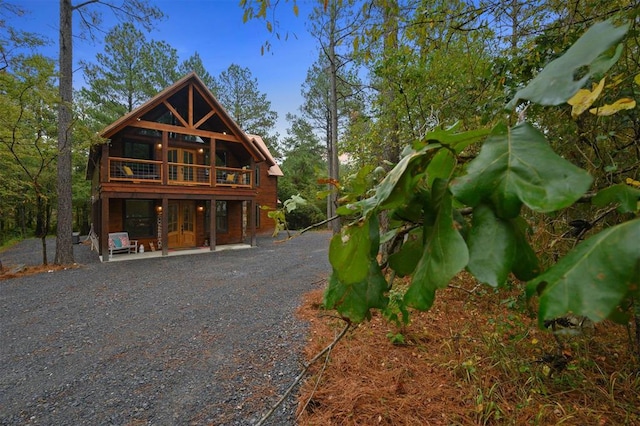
x,y
178,172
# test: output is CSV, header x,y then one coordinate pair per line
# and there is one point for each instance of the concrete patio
x,y
175,252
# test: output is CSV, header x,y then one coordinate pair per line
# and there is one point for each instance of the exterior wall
x,y
116,215
234,234
267,195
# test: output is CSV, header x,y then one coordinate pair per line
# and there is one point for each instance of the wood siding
x,y
181,147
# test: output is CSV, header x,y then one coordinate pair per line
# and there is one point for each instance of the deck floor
x,y
175,252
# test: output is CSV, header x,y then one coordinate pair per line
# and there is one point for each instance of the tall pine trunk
x,y
333,107
64,247
391,149
42,222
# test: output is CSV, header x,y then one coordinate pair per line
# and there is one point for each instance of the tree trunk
x,y
43,239
64,247
636,317
391,149
333,107
329,168
42,223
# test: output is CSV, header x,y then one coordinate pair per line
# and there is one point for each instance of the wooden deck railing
x,y
130,169
134,170
189,174
228,176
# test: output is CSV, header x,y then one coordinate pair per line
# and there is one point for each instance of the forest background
x,y
401,69
486,136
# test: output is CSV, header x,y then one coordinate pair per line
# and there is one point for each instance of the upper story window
x,y
257,177
221,159
139,150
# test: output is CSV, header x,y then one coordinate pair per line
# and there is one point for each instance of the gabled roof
x,y
194,110
274,169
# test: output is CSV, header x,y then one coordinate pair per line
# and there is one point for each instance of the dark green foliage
x,y
516,167
304,216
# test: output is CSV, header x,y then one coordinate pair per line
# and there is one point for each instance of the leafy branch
x,y
423,196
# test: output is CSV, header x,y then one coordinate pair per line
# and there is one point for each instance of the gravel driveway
x,y
186,340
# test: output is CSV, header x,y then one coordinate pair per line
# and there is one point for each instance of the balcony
x,y
150,171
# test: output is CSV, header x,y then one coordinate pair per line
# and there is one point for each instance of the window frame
x,y
148,217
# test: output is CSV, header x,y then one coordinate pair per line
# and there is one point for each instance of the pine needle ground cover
x,y
477,357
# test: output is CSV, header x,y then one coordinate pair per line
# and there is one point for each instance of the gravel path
x,y
186,340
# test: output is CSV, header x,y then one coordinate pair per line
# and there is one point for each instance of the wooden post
x,y
165,162
104,228
212,164
252,168
212,224
165,224
252,221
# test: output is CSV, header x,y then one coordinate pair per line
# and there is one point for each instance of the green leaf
x,y
525,263
292,203
593,278
556,83
456,141
360,182
444,255
354,301
518,166
413,209
357,283
349,252
404,261
627,196
398,184
491,247
442,164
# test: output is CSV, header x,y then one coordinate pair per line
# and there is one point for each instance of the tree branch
x,y
81,5
327,350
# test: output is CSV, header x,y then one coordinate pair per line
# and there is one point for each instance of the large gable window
x,y
139,150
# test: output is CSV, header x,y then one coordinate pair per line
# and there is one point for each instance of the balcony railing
x,y
189,174
227,176
129,169
134,170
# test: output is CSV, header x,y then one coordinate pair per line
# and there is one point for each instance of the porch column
x,y
165,163
212,163
104,228
212,223
252,167
165,223
252,221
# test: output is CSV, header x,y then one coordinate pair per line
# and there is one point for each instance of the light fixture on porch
x,y
159,146
200,208
201,150
159,209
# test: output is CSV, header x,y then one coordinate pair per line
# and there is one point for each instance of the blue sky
x,y
214,29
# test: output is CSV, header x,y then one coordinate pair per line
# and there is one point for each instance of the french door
x,y
182,224
180,170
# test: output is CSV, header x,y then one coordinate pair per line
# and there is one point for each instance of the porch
x,y
176,252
